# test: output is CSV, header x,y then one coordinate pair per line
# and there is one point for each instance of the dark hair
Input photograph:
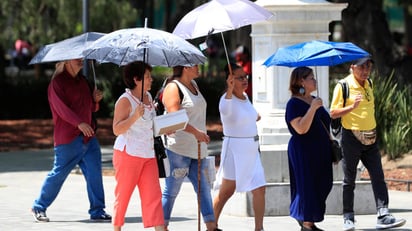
x,y
296,76
234,67
177,71
134,70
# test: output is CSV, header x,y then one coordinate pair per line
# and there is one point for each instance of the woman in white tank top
x,y
182,146
133,155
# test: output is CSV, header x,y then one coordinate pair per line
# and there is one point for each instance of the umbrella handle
x,y
198,185
227,56
94,75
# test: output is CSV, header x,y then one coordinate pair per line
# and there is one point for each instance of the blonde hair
x,y
59,68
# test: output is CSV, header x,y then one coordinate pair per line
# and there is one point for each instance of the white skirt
x,y
240,161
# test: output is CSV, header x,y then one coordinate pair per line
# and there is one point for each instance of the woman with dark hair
x,y
182,146
133,156
309,150
240,166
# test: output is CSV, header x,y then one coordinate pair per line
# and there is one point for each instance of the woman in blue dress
x,y
309,150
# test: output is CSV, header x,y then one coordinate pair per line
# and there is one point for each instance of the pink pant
x,y
134,171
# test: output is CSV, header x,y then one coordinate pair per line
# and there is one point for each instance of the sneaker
x,y
101,217
389,221
348,225
39,216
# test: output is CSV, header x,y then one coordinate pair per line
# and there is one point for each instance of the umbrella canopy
x,y
155,47
67,49
316,53
219,16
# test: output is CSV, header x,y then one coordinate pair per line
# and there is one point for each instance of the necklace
x,y
149,112
138,101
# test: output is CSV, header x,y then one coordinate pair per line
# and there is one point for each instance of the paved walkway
x,y
22,174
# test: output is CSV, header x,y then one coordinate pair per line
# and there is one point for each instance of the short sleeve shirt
x,y
362,117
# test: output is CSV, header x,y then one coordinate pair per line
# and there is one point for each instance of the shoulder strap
x,y
370,82
180,91
345,90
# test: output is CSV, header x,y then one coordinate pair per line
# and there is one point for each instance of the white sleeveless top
x,y
138,139
185,143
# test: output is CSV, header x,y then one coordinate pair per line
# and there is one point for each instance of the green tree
x,y
364,23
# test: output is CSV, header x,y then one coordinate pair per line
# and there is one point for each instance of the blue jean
x,y
353,151
180,167
67,156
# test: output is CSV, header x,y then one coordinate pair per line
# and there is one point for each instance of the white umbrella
x,y
71,48
155,47
218,16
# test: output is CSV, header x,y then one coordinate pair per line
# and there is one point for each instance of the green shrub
x,y
393,116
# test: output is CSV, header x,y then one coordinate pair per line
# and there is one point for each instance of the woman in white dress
x,y
240,167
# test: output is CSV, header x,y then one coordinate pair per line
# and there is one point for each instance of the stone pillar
x,y
294,21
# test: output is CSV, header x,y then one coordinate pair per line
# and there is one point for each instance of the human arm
x,y
97,97
302,124
59,102
122,120
337,109
230,85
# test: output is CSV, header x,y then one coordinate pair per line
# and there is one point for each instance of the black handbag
x,y
336,149
159,148
160,153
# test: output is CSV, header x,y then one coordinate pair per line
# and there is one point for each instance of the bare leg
x,y
211,226
117,228
259,206
227,188
308,224
160,228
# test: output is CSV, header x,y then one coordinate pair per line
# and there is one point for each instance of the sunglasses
x,y
242,78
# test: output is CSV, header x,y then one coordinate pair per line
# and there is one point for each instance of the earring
x,y
302,90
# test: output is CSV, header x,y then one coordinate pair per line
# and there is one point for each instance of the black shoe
x,y
101,217
39,216
314,227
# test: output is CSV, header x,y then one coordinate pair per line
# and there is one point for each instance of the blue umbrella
x,y
316,53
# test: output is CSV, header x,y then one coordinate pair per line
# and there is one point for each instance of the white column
x,y
293,22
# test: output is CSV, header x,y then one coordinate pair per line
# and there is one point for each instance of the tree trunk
x,y
364,23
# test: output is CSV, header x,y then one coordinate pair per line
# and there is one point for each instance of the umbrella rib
x,y
187,60
124,56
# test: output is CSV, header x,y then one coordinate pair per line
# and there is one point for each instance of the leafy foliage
x,y
47,21
393,116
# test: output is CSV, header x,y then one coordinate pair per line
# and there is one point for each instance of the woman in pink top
x,y
133,156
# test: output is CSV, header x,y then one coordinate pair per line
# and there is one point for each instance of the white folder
x,y
170,122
